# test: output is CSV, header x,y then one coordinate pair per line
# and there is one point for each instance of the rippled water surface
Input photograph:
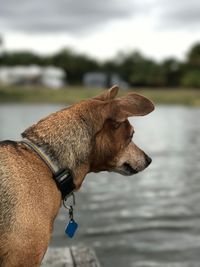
x,y
149,220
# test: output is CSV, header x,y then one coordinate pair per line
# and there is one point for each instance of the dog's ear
x,y
106,106
108,94
130,105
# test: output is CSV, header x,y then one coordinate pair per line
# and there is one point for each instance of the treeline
x,y
134,68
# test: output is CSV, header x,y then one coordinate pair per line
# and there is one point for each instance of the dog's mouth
x,y
126,169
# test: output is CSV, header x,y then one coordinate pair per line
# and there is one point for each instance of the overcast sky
x,y
158,28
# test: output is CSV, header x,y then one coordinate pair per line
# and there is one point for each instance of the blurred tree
x,y
1,41
74,65
191,79
20,58
139,71
171,70
193,57
132,67
146,72
110,65
1,48
127,64
191,75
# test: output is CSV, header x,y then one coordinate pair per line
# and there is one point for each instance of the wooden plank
x,y
79,256
84,257
58,257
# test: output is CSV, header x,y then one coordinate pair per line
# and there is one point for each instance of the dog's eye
x,y
116,124
131,135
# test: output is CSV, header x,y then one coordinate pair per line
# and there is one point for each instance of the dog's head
x,y
113,148
94,135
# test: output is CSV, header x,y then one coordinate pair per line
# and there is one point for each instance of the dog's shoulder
x,y
7,147
8,143
14,144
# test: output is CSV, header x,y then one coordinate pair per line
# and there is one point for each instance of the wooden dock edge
x,y
76,256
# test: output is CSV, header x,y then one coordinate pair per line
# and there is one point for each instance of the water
x,y
149,220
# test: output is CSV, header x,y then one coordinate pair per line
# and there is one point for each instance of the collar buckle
x,y
64,181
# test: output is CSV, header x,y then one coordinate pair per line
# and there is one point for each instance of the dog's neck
x,y
66,137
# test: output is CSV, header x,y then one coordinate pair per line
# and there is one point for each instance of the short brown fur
x,y
93,135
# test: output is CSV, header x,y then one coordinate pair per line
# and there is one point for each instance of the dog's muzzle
x,y
128,169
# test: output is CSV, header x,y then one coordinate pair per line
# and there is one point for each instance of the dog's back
x,y
20,171
7,195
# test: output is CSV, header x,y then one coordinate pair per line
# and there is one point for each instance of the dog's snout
x,y
148,159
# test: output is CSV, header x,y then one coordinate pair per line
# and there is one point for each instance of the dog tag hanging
x,y
72,225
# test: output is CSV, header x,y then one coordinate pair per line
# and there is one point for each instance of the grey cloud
x,y
61,15
179,14
80,16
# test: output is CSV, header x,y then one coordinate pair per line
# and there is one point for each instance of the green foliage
x,y
20,58
191,68
193,57
171,70
135,69
146,73
75,65
191,79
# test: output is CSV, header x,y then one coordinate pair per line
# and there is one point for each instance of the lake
x,y
149,220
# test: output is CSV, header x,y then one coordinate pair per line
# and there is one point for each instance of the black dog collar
x,y
63,177
65,182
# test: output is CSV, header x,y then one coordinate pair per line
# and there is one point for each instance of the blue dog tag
x,y
71,228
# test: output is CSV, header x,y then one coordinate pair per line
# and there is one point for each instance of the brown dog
x,y
91,136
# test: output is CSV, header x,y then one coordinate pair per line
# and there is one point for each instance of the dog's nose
x,y
148,159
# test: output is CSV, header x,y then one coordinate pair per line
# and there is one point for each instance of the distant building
x,y
101,79
95,79
51,77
